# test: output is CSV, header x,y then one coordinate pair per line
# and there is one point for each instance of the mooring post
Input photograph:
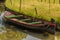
x,y
36,12
20,6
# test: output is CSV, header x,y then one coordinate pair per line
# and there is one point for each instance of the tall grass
x,y
45,9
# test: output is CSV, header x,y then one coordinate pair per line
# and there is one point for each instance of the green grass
x,y
27,7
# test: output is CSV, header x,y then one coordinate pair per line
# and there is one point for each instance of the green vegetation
x,y
45,10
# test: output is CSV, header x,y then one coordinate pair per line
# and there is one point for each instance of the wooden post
x,y
36,12
20,6
49,6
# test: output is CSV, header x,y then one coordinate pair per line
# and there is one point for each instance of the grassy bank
x,y
43,10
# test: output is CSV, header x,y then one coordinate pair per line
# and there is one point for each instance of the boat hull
x,y
39,27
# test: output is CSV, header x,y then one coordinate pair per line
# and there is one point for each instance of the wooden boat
x,y
28,22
